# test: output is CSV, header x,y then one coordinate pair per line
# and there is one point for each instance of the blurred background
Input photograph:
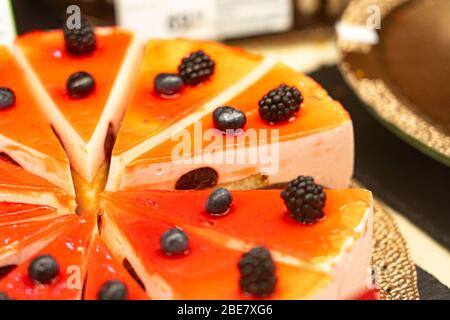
x,y
402,139
216,19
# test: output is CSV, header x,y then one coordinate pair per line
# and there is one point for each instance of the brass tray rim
x,y
384,104
394,270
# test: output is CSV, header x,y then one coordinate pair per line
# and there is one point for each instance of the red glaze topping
x,y
104,267
70,251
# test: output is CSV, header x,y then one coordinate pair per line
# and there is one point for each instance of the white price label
x,y
211,19
7,28
250,17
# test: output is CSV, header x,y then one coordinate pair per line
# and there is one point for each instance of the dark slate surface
x,y
430,288
406,179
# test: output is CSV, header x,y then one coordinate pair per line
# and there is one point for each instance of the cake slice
x,y
57,271
20,240
20,186
339,245
11,213
206,271
85,111
152,117
317,141
26,137
107,278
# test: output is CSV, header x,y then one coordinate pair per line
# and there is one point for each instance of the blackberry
x,y
80,40
257,270
43,269
113,290
304,199
280,104
196,68
7,98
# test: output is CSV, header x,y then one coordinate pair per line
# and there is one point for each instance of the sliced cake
x,y
204,270
19,240
11,213
189,114
332,236
20,186
107,278
161,104
317,140
57,271
26,137
83,78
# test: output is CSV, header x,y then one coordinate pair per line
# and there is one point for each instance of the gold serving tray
x,y
403,78
394,271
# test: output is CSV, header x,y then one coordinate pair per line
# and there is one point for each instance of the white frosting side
x,y
351,272
326,155
39,164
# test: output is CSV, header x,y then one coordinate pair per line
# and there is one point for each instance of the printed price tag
x,y
7,27
168,18
211,19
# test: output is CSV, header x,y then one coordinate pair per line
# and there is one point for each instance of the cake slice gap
x,y
11,212
20,186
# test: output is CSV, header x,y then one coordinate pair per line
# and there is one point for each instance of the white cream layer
x,y
327,156
39,164
40,197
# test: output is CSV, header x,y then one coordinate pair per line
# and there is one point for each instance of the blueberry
x,y
219,202
7,98
113,290
174,242
4,296
228,118
43,269
168,83
80,84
